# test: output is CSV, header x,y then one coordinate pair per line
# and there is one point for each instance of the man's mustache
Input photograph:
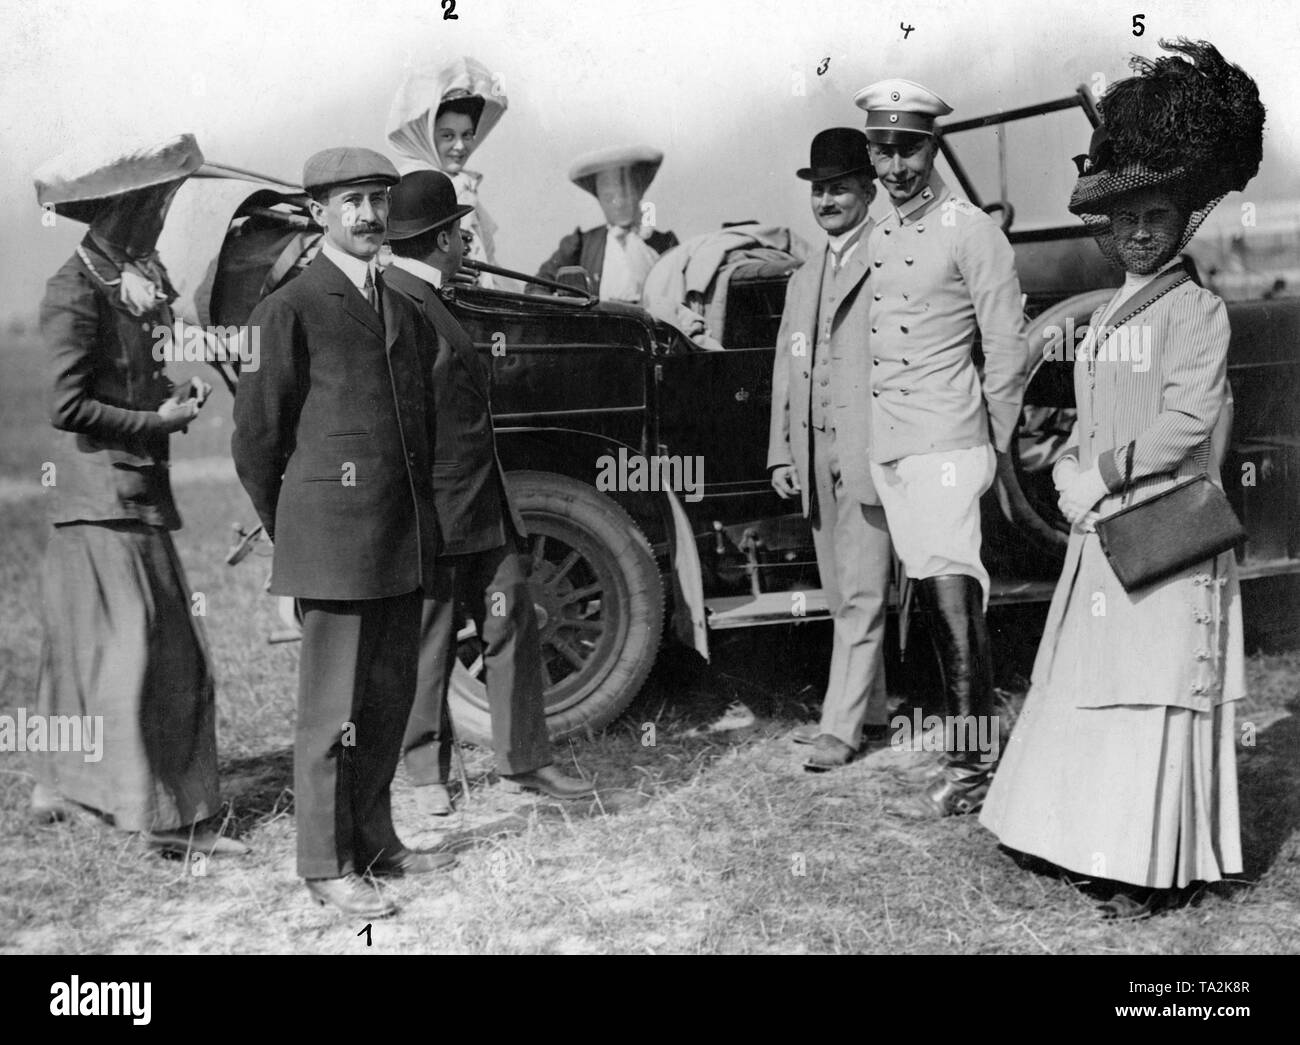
x,y
363,227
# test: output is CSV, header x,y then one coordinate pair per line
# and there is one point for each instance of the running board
x,y
795,607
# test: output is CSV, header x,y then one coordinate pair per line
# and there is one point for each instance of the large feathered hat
x,y
1194,127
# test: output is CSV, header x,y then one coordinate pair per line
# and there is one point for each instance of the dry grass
x,y
694,846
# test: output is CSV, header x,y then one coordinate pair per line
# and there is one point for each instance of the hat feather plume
x,y
1193,110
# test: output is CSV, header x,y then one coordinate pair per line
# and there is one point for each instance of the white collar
x,y
932,190
418,269
838,242
354,268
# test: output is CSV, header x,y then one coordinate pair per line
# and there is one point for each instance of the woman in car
x,y
440,117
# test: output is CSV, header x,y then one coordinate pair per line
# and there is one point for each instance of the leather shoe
x,y
956,791
433,799
549,781
806,734
352,895
828,753
411,861
50,807
202,840
921,773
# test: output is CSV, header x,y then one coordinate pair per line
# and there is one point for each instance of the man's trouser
x,y
356,682
493,588
853,559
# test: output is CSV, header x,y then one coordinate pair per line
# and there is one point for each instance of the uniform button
x,y
804,424
873,330
875,392
878,263
905,391
905,361
825,381
907,261
905,298
875,361
876,296
805,373
920,228
887,231
902,328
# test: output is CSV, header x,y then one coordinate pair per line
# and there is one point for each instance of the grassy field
x,y
705,842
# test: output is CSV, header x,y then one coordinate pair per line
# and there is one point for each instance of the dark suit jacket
x,y
468,483
588,250
111,455
333,439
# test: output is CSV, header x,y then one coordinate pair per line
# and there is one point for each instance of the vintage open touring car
x,y
576,382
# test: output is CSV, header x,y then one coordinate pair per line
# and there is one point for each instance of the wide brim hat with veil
x,y
95,174
1192,127
415,108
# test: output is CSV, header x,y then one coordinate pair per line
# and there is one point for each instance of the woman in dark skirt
x,y
121,644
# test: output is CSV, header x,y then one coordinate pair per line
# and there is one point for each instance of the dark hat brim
x,y
897,135
416,226
1098,191
827,173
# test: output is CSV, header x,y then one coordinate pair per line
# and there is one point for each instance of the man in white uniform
x,y
941,269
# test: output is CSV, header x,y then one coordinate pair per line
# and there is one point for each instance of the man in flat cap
x,y
941,269
619,254
479,562
820,434
334,437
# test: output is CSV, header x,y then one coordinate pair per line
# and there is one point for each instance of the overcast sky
x,y
715,85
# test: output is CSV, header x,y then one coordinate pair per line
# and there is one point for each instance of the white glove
x,y
1064,473
1082,494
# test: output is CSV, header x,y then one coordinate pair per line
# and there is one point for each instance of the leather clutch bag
x,y
1188,523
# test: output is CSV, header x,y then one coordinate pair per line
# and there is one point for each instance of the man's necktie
x,y
371,291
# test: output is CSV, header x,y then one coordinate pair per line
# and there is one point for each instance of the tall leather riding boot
x,y
954,609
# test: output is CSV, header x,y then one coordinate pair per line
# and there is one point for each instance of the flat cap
x,y
643,160
347,165
75,183
899,107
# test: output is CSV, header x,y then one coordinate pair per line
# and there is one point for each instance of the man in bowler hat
x,y
333,442
479,566
818,447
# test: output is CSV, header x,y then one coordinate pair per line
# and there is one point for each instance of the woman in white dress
x,y
440,117
1122,764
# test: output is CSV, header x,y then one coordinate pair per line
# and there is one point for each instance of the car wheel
x,y
599,603
1023,489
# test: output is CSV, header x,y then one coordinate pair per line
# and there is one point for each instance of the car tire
x,y
1028,502
600,603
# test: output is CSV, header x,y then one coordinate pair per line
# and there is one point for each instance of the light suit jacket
x,y
788,441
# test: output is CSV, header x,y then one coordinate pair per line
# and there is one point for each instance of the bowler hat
x,y
423,200
347,165
836,152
